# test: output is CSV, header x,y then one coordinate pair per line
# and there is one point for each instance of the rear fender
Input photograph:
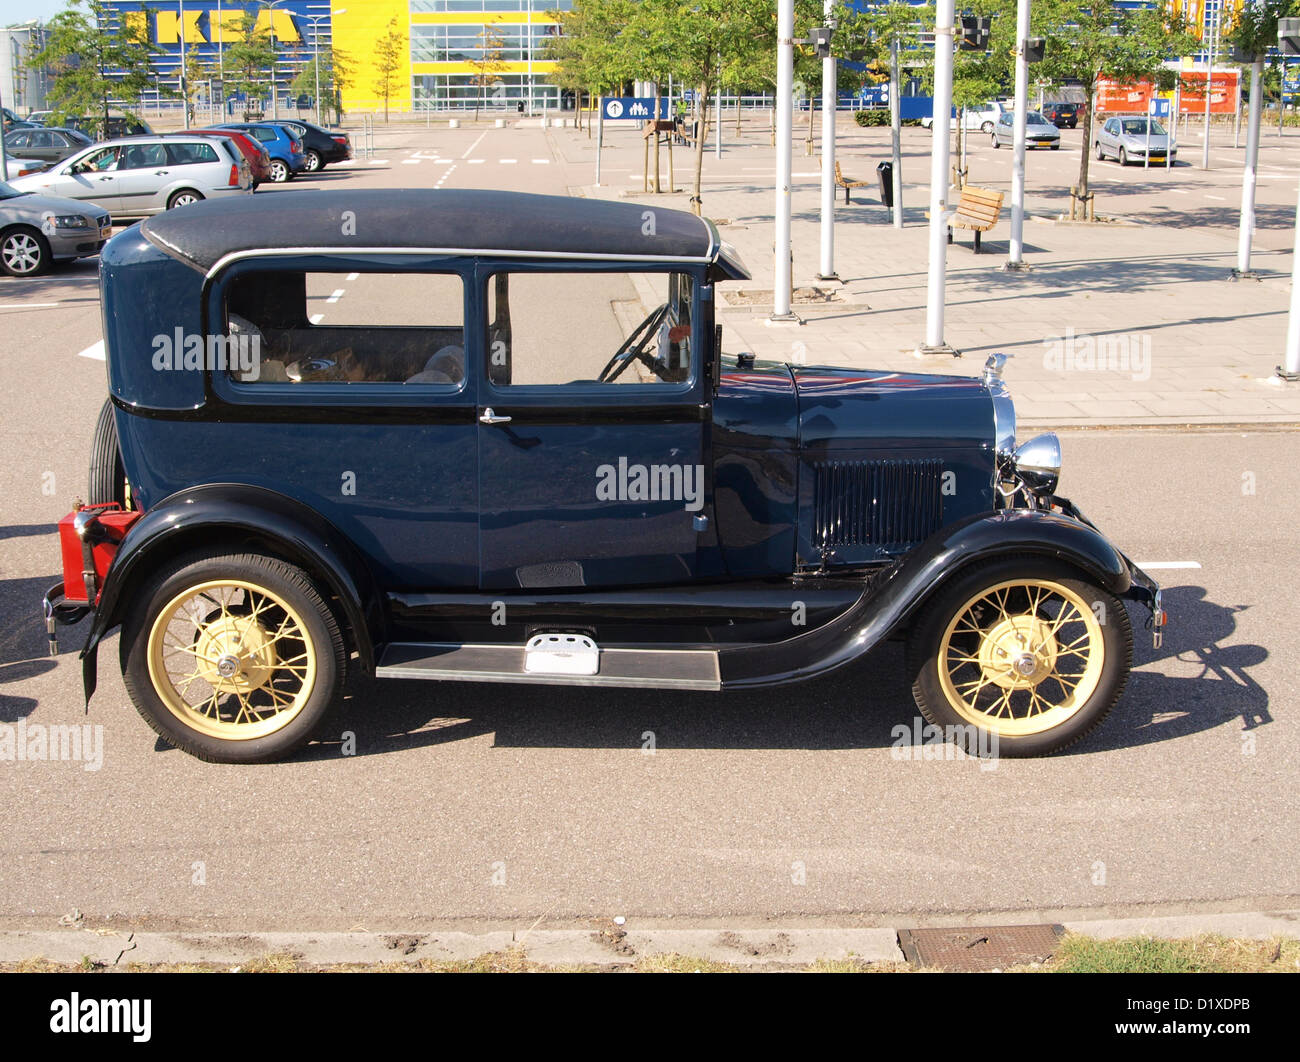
x,y
890,600
238,515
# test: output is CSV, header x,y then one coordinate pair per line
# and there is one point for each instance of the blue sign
x,y
633,108
874,94
1159,107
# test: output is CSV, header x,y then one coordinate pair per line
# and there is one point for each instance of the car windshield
x,y
1034,118
1138,127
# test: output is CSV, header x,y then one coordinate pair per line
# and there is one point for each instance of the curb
x,y
608,945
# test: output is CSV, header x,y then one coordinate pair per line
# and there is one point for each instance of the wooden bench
x,y
846,183
978,210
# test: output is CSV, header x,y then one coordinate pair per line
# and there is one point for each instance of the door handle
x,y
488,417
106,178
160,173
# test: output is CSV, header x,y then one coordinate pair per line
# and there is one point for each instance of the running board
x,y
678,669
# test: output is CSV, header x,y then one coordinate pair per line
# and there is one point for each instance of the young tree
x,y
1087,43
388,61
489,64
92,65
249,60
335,75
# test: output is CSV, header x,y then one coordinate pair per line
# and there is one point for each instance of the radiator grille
x,y
881,503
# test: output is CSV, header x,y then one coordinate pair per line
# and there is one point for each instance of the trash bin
x,y
885,172
520,106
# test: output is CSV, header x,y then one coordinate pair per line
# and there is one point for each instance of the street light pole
x,y
1015,262
942,127
784,118
1248,177
1209,79
829,100
185,89
315,40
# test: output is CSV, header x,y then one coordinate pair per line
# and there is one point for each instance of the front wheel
x,y
234,658
1101,155
24,253
1123,157
1019,657
996,145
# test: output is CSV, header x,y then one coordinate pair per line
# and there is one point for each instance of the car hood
x,y
1139,140
37,203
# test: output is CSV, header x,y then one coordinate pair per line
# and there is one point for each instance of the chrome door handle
x,y
488,417
106,178
160,173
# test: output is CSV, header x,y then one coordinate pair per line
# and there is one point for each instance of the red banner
x,y
1133,98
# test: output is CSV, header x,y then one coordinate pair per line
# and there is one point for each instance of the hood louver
x,y
879,503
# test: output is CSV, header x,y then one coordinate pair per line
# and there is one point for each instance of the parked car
x,y
37,230
983,118
1126,138
284,149
320,146
259,162
474,466
138,176
21,167
48,144
39,117
1039,132
117,125
1062,115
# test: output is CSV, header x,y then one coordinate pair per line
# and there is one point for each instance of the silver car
x,y
1125,139
36,230
1039,132
142,175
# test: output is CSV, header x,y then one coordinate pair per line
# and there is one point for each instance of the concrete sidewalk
x,y
1129,323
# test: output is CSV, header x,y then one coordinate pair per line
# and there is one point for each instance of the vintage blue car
x,y
492,437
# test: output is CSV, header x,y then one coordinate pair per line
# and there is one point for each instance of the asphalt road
x,y
498,802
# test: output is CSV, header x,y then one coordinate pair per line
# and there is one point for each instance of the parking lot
x,y
486,803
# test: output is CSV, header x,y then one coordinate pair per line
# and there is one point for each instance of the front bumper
x,y
1142,589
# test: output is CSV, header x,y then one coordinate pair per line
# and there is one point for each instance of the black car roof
x,y
456,221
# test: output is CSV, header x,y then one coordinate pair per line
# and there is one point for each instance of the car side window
x,y
99,161
635,328
321,328
18,140
142,156
191,153
40,138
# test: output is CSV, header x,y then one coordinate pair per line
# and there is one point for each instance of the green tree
x,y
489,65
388,61
249,60
1085,44
335,75
94,66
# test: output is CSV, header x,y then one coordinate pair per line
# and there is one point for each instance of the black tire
x,y
317,633
1122,157
107,480
986,127
183,197
1101,155
24,252
1055,147
314,164
996,145
939,634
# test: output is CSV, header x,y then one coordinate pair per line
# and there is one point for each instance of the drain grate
x,y
974,949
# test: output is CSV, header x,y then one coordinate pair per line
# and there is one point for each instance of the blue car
x,y
496,440
282,145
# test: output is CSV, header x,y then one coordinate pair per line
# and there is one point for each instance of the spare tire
x,y
107,481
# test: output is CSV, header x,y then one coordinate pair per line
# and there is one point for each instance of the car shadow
x,y
24,647
862,707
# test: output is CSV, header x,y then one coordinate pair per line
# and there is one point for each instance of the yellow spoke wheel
x,y
1021,657
231,660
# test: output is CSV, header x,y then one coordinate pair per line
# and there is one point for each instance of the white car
x,y
983,117
142,175
21,167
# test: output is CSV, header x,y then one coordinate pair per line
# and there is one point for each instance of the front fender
x,y
238,515
890,600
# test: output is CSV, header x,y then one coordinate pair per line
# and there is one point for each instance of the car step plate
x,y
561,654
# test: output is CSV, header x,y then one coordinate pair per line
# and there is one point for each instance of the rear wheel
x,y
184,197
280,171
986,127
24,252
1021,656
313,161
107,476
234,658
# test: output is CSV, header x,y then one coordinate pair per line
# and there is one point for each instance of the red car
x,y
259,162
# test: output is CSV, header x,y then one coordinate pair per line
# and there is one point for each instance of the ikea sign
x,y
209,26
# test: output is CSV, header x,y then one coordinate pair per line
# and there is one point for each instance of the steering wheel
x,y
634,346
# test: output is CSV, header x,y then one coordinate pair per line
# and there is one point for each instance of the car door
x,y
43,145
584,483
1109,137
91,176
143,175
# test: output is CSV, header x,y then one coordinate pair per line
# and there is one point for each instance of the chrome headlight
x,y
1037,464
67,221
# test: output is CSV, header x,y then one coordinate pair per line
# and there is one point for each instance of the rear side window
x,y
264,135
316,329
141,156
188,153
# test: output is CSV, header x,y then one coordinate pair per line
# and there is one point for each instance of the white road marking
x,y
475,162
95,352
1218,197
379,162
470,150
26,305
541,162
316,318
1178,191
353,276
507,162
410,162
338,294
445,174
1151,566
